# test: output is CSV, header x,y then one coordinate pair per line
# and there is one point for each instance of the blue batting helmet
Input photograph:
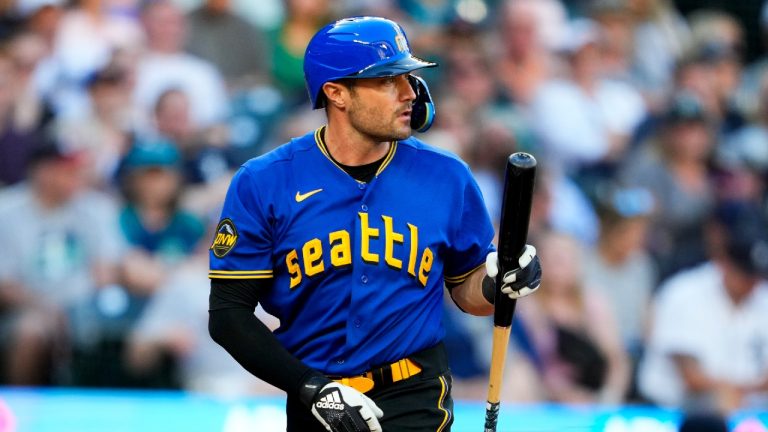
x,y
359,47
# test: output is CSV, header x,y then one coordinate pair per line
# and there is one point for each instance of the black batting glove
x,y
517,283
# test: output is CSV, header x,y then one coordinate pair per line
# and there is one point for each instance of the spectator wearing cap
x,y
741,166
711,72
673,165
708,347
159,232
160,237
61,246
620,266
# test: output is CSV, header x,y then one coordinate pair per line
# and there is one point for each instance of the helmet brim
x,y
396,67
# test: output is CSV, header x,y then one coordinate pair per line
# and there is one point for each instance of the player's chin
x,y
402,129
402,134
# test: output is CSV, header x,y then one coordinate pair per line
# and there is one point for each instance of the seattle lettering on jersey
x,y
311,259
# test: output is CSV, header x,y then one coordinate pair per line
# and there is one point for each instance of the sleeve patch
x,y
225,239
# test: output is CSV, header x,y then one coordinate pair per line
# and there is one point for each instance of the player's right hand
x,y
343,409
519,282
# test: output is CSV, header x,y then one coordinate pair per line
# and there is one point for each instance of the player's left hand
x,y
522,281
340,408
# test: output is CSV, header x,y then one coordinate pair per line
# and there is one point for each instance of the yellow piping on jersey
x,y
389,157
443,394
240,274
462,277
320,141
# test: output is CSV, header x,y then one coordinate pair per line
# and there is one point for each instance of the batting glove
x,y
340,408
522,281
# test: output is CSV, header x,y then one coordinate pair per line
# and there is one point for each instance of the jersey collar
x,y
320,141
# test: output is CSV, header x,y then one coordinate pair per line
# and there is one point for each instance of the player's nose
x,y
406,90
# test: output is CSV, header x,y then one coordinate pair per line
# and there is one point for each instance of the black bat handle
x,y
513,226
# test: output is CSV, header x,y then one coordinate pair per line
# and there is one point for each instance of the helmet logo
x,y
402,45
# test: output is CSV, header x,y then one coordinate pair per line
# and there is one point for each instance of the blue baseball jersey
x,y
357,269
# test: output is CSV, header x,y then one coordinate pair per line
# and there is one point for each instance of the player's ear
x,y
336,94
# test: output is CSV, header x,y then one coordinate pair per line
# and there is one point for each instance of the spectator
x,y
204,162
62,247
674,167
165,65
106,129
576,342
584,120
620,266
161,234
716,27
245,61
302,19
42,18
175,324
159,237
751,89
741,167
661,36
469,71
708,343
17,135
712,73
85,40
28,50
528,30
616,23
202,152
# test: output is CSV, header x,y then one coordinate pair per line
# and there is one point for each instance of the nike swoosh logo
x,y
301,197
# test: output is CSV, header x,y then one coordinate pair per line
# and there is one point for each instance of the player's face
x,y
381,107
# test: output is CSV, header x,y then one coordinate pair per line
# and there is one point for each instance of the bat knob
x,y
522,160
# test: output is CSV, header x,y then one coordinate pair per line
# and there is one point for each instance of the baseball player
x,y
348,235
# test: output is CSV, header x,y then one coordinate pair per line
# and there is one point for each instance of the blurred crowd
x,y
122,121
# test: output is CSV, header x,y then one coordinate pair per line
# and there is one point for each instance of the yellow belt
x,y
400,370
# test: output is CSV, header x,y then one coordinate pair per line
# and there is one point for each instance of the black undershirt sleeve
x,y
232,324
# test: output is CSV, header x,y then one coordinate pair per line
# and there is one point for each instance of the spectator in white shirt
x,y
708,348
585,119
165,65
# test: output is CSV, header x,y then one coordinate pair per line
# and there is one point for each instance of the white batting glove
x,y
343,409
522,281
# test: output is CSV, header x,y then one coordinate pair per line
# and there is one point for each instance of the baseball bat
x,y
517,198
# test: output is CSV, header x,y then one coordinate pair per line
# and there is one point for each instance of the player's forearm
x,y
469,294
253,345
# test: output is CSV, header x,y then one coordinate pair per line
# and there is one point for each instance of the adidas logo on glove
x,y
330,401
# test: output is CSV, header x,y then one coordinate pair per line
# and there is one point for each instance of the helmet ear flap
x,y
423,110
